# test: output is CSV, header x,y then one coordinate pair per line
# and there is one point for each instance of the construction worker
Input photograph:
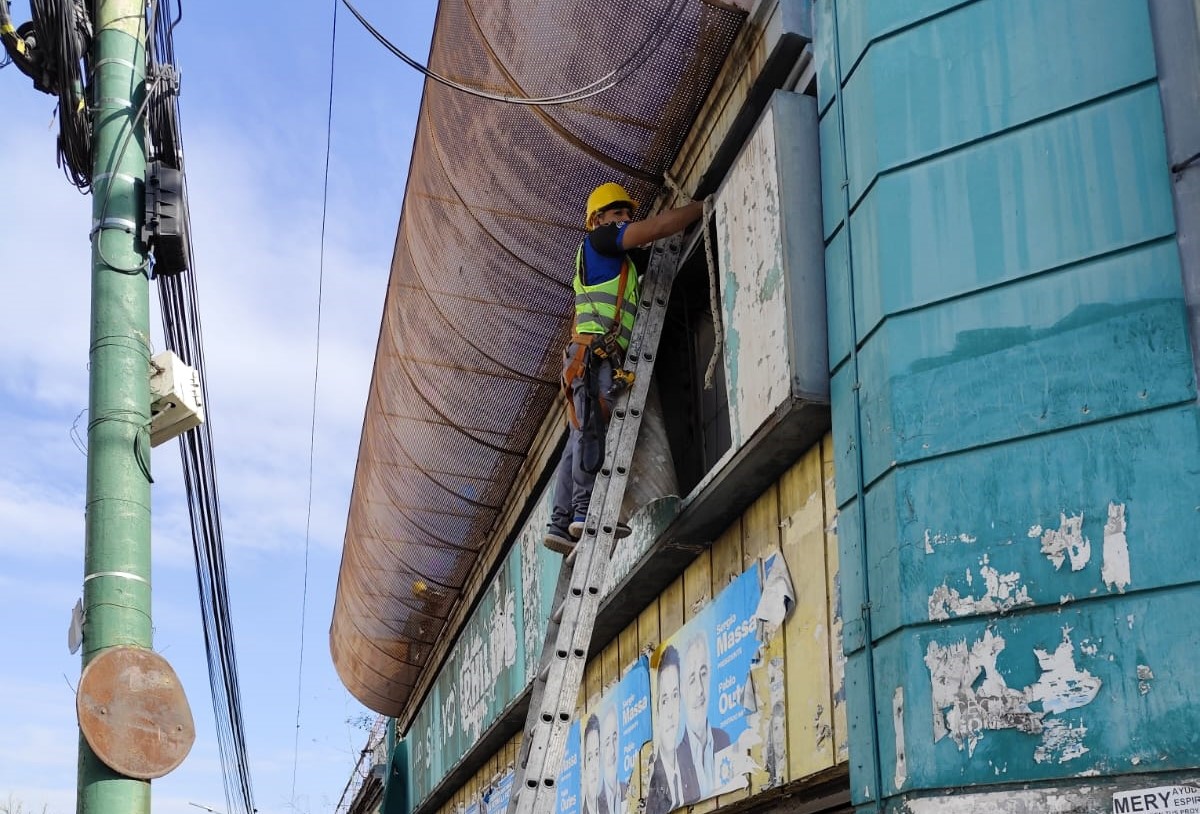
x,y
606,303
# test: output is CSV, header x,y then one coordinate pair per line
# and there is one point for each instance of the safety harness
x,y
590,346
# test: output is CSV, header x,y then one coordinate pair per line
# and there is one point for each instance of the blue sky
x,y
255,79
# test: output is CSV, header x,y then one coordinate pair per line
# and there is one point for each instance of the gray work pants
x,y
572,484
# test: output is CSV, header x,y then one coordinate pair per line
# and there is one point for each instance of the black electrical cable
x,y
183,334
64,33
610,80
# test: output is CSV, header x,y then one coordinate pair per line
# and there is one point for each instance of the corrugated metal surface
x,y
467,363
1014,400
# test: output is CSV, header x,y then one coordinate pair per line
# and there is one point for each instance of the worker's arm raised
x,y
644,232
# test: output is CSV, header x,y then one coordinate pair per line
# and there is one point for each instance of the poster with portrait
x,y
568,778
613,732
700,682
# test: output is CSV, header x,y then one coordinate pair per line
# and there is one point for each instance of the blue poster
x,y
613,734
700,679
636,728
568,778
495,800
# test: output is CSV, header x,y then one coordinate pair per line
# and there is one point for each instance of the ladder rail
x,y
582,574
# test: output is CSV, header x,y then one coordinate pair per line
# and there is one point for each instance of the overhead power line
x,y
183,334
312,437
607,82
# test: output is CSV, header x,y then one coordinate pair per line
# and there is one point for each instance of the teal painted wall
x,y
1015,424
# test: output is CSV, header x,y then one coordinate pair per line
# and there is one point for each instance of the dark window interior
x,y
697,419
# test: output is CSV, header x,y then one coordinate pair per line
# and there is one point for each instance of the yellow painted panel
x,y
670,609
593,684
836,659
610,665
697,585
810,746
647,627
727,556
629,648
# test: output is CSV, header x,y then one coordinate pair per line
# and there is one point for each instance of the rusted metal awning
x,y
479,297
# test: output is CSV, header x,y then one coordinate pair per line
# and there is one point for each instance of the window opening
x,y
697,420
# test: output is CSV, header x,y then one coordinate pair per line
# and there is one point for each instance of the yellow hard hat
x,y
605,196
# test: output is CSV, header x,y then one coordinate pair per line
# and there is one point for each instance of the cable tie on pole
x,y
124,224
116,575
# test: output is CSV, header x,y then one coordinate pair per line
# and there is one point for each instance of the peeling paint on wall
x,y
1003,593
1067,541
971,696
901,757
933,538
1060,742
1115,570
1145,676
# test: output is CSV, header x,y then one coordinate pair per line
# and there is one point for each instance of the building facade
x,y
928,542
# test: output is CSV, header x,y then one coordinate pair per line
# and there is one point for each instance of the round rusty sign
x,y
133,712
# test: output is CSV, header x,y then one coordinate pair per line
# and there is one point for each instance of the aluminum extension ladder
x,y
581,576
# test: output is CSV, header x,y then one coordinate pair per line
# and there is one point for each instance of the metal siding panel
x,y
1081,695
1019,305
862,24
1016,205
1005,534
803,249
833,170
837,294
1088,343
940,84
824,44
845,450
860,741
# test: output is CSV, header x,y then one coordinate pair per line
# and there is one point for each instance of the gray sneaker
x,y
558,542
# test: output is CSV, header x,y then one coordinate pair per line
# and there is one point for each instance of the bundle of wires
x,y
63,35
183,335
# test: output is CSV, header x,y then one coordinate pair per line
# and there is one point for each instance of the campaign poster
x,y
614,731
568,778
700,680
495,799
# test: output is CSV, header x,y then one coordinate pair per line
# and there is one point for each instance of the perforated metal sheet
x,y
479,299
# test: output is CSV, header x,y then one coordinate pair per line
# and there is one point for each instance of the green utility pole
x,y
116,588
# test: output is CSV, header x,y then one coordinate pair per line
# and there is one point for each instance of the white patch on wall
x,y
1003,592
1060,742
933,538
1062,685
1066,542
1145,676
970,696
1115,570
901,756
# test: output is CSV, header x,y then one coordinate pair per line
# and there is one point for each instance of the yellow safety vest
x,y
596,305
